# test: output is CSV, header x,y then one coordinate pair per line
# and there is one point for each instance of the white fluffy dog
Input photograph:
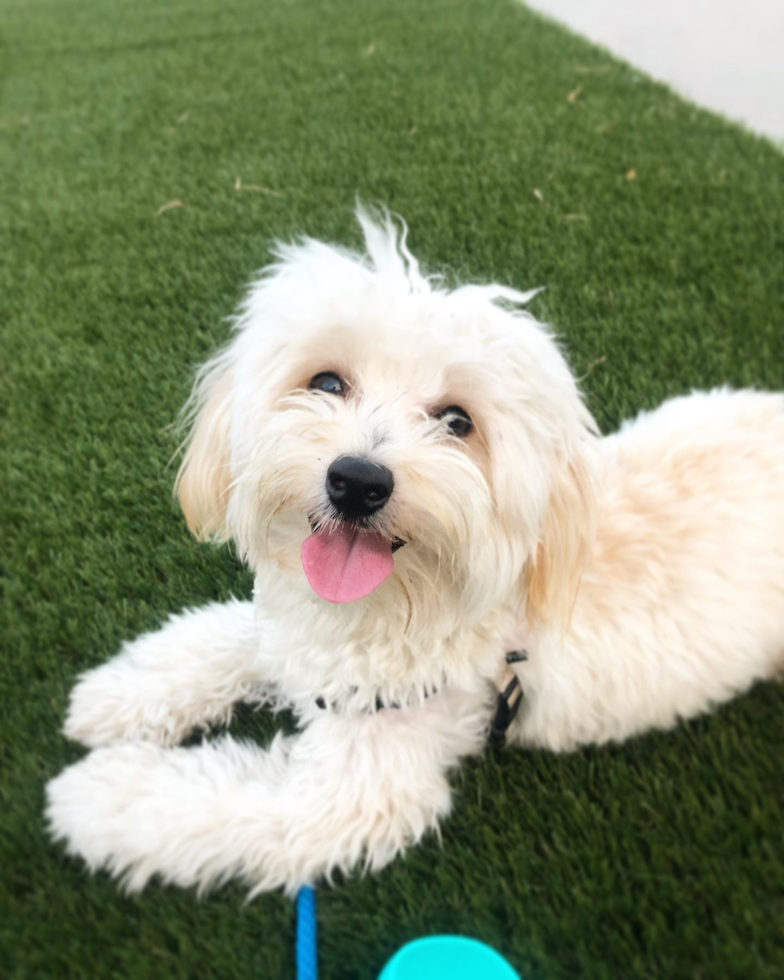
x,y
415,480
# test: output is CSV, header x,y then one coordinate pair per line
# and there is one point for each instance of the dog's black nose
x,y
357,487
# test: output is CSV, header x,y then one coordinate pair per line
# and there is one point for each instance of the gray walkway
x,y
726,55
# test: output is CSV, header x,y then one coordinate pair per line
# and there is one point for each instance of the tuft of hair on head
x,y
386,244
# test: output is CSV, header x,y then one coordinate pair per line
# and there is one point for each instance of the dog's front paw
x,y
195,817
94,806
109,705
121,701
98,710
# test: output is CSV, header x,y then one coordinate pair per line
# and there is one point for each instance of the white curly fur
x,y
643,573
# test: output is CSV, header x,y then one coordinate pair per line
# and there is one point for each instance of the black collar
x,y
510,697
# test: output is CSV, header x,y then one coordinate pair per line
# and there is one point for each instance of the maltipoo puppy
x,y
420,490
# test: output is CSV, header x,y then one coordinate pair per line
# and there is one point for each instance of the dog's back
x,y
682,604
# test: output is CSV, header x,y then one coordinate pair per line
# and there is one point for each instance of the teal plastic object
x,y
447,958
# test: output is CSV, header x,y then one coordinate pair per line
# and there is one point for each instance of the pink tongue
x,y
346,564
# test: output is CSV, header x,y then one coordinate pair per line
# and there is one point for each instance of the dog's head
x,y
383,440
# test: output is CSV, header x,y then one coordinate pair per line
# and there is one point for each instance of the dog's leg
x,y
344,791
163,684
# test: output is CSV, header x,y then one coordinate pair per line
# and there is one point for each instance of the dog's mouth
x,y
347,562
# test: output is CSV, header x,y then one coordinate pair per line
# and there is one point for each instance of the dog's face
x,y
383,441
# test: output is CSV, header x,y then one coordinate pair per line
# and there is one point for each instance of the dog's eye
x,y
330,382
458,420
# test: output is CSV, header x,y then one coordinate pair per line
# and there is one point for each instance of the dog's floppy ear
x,y
566,542
204,478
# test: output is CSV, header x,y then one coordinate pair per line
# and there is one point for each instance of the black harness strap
x,y
507,706
510,697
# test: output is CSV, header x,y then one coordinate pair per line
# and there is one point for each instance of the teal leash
x,y
307,947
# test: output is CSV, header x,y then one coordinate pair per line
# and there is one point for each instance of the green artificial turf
x,y
517,153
